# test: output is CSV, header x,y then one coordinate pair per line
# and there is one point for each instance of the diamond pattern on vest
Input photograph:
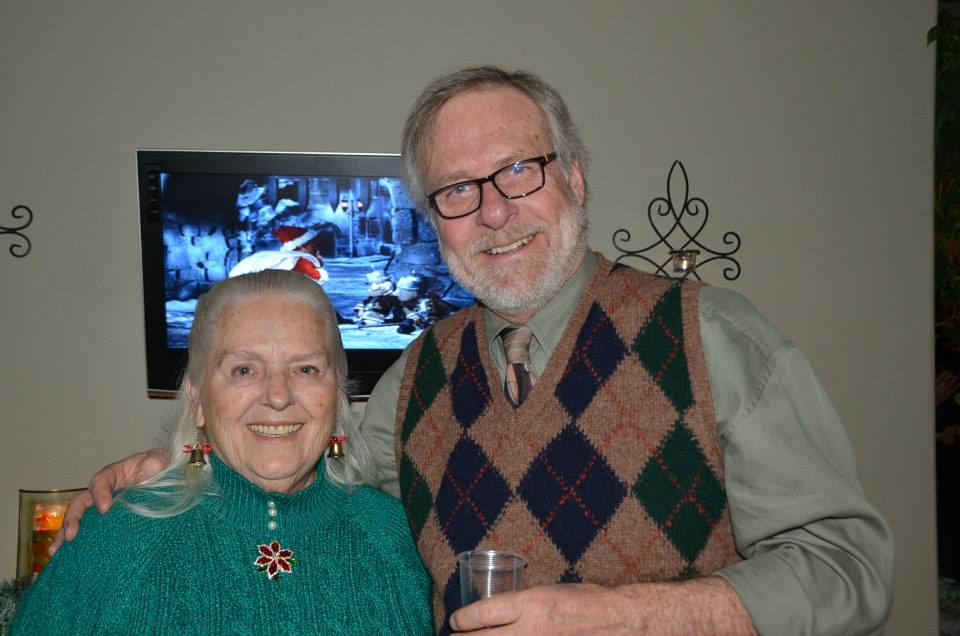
x,y
681,493
570,486
659,345
596,354
415,495
570,478
451,601
430,380
471,496
468,382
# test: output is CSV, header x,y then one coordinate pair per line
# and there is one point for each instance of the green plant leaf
x,y
934,34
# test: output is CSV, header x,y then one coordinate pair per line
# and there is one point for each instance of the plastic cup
x,y
484,573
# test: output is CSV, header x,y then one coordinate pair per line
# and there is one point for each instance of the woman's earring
x,y
336,446
197,451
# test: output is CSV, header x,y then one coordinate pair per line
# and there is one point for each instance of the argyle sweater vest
x,y
609,472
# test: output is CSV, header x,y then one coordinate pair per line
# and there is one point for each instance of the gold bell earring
x,y
336,446
197,451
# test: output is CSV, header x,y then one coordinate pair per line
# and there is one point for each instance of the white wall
x,y
807,127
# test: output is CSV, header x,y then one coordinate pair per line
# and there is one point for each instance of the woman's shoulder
x,y
87,577
118,531
379,514
367,499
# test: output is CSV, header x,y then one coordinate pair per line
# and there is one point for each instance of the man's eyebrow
x,y
451,178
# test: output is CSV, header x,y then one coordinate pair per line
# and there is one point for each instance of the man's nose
x,y
495,209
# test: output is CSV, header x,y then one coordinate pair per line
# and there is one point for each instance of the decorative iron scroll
x,y
19,249
678,221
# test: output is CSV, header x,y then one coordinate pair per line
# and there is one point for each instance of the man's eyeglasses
x,y
512,181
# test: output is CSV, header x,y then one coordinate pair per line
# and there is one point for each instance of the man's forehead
x,y
490,125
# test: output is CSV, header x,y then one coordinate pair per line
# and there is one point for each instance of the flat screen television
x,y
344,220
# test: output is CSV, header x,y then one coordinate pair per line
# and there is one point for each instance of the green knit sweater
x,y
355,569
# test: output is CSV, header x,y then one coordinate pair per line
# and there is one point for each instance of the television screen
x,y
344,221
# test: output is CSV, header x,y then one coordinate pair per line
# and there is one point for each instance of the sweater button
x,y
272,525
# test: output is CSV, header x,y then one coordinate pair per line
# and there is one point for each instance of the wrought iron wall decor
x,y
19,249
677,220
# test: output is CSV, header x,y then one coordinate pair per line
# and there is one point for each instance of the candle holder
x,y
684,261
678,220
41,516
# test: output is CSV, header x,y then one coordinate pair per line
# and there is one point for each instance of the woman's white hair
x,y
178,488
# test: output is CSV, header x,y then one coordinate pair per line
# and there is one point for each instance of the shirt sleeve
x,y
818,558
377,427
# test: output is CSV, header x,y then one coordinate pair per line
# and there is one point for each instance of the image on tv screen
x,y
358,237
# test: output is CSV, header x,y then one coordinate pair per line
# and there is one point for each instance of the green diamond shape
x,y
415,495
430,380
666,480
659,346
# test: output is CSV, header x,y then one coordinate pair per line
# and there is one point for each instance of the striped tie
x,y
516,346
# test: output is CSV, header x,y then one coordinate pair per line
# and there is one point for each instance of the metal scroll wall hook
x,y
21,247
678,220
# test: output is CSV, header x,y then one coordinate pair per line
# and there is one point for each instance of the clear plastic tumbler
x,y
484,573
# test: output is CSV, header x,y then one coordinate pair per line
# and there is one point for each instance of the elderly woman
x,y
266,536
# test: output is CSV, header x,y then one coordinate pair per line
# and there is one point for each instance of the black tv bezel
x,y
165,365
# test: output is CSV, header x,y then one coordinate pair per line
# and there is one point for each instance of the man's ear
x,y
194,396
577,185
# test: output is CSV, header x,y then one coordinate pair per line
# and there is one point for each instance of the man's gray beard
x,y
521,293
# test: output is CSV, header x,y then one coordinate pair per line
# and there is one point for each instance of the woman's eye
x,y
309,370
242,371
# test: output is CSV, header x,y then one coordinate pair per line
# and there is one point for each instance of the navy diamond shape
x,y
595,356
572,491
451,601
469,390
471,496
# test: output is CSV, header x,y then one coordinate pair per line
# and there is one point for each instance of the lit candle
x,y
684,260
47,520
48,516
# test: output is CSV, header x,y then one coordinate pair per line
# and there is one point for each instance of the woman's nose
x,y
278,394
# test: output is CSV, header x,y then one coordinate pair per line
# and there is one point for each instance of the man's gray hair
x,y
417,132
178,488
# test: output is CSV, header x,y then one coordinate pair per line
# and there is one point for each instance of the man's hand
x,y
689,608
108,480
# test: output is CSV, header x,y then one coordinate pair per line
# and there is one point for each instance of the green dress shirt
x,y
818,558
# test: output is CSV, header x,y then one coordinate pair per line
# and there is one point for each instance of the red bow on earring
x,y
336,446
199,446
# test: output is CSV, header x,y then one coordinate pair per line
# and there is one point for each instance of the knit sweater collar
x,y
246,507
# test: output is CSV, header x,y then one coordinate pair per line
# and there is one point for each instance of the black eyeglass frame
x,y
543,160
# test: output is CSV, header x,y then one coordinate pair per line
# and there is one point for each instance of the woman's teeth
x,y
275,430
509,248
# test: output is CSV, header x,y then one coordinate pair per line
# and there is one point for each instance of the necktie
x,y
516,346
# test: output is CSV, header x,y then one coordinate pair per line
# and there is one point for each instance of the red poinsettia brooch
x,y
274,559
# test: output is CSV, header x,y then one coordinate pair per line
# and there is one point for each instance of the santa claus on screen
x,y
299,252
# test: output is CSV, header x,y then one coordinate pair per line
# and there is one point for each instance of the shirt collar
x,y
548,324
